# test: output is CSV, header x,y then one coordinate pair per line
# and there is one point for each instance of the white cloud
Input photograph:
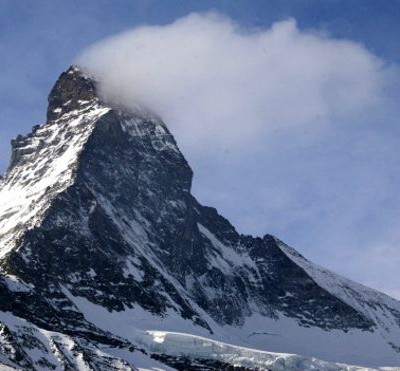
x,y
217,84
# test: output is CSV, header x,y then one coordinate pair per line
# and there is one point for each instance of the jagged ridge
x,y
104,212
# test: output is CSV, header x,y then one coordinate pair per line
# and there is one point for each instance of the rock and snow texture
x,y
101,241
42,164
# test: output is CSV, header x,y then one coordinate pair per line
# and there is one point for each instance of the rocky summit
x,y
108,262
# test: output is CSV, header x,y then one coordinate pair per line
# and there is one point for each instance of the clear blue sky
x,y
336,222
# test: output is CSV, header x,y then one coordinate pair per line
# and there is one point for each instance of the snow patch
x,y
49,158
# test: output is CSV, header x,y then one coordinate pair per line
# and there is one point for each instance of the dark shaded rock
x,y
122,230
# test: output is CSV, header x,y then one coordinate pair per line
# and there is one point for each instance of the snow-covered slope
x,y
43,349
380,308
42,166
101,241
200,348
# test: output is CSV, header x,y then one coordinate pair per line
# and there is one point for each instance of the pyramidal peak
x,y
45,162
107,261
73,91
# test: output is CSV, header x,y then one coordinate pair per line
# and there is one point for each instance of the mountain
x,y
107,261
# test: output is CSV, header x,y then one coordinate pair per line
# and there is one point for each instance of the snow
x,y
131,324
227,258
143,361
50,157
282,334
226,254
61,350
25,195
133,269
15,284
196,347
127,323
42,340
4,367
285,335
159,140
171,334
373,304
351,292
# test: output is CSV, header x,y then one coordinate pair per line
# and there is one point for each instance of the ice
x,y
170,334
196,347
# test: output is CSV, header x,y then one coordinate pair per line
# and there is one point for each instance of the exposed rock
x,y
104,212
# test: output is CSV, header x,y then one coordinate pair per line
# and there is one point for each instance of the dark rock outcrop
x,y
119,227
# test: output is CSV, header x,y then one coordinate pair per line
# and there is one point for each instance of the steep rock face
x,y
43,164
96,205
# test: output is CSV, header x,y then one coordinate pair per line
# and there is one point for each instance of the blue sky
x,y
331,191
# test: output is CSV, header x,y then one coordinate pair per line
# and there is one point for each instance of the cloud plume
x,y
217,84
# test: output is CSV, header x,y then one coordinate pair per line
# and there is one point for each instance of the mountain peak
x,y
45,163
72,90
100,237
